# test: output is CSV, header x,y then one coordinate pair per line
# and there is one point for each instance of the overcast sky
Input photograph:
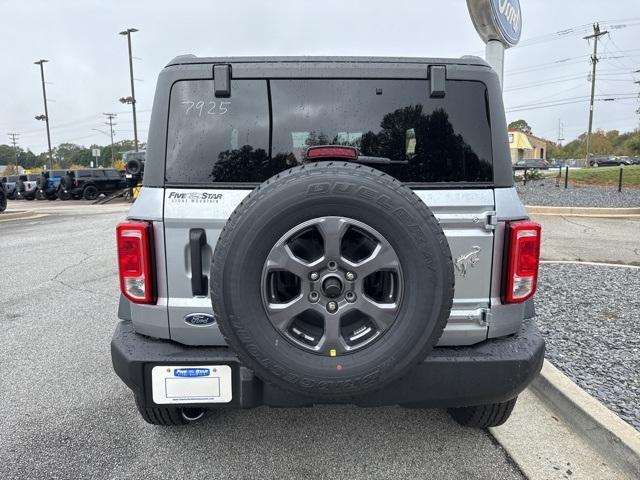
x,y
88,67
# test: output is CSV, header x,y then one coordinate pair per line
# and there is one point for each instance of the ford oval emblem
x,y
200,319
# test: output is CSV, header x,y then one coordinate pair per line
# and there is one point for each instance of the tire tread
x,y
484,416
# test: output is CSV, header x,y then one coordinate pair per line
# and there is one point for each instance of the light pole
x,y
41,62
132,99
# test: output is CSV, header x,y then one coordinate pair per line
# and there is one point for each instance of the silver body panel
x,y
472,220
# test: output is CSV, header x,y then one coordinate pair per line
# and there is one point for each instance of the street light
x,y
45,117
132,99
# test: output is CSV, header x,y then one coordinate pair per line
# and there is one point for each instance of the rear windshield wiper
x,y
378,160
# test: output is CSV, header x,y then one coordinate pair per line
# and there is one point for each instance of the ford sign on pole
x,y
499,24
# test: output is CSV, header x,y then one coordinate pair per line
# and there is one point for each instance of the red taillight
x,y
330,151
135,261
523,258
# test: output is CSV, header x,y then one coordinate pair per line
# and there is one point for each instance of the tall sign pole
x,y
499,24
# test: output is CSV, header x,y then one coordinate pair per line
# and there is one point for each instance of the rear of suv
x,y
327,230
48,184
26,186
10,185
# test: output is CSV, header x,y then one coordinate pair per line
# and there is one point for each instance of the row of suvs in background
x,y
76,184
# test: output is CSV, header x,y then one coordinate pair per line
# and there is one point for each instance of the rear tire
x,y
169,416
90,193
39,195
483,416
64,194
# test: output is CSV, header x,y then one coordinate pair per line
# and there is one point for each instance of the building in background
x,y
525,146
11,170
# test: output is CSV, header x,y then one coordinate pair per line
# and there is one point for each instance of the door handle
x,y
197,240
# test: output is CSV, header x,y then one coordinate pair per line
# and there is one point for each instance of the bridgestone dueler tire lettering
x,y
332,189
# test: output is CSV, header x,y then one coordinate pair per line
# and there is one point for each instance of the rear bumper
x,y
494,371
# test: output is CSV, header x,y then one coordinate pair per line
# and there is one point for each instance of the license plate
x,y
191,384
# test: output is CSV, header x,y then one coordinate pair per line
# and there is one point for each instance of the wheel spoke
x,y
382,258
382,314
282,314
332,338
282,258
332,229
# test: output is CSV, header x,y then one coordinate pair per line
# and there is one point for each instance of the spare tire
x,y
332,280
134,166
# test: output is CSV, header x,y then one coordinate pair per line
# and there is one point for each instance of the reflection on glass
x,y
422,139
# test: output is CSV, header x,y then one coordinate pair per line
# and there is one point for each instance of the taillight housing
x,y
332,151
135,261
522,260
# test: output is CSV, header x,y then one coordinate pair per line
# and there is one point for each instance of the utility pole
x,y
597,33
638,110
41,62
14,142
110,117
132,100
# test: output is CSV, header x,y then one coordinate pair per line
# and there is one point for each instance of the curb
x,y
18,215
612,437
584,211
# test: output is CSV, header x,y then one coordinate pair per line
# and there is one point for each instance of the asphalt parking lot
x,y
65,414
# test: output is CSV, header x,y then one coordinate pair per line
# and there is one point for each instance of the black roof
x,y
192,59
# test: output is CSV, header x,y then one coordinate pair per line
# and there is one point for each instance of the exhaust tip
x,y
192,414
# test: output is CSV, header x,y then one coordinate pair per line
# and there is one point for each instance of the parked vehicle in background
x,y
557,164
355,238
48,184
536,163
609,161
634,160
26,186
10,186
3,197
134,171
89,183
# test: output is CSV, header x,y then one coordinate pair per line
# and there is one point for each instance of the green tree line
x,y
66,155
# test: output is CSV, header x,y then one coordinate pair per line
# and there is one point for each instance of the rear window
x,y
266,126
111,174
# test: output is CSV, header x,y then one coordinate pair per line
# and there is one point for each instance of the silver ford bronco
x,y
327,230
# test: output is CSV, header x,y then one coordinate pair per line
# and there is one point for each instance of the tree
x,y
7,155
632,145
521,126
